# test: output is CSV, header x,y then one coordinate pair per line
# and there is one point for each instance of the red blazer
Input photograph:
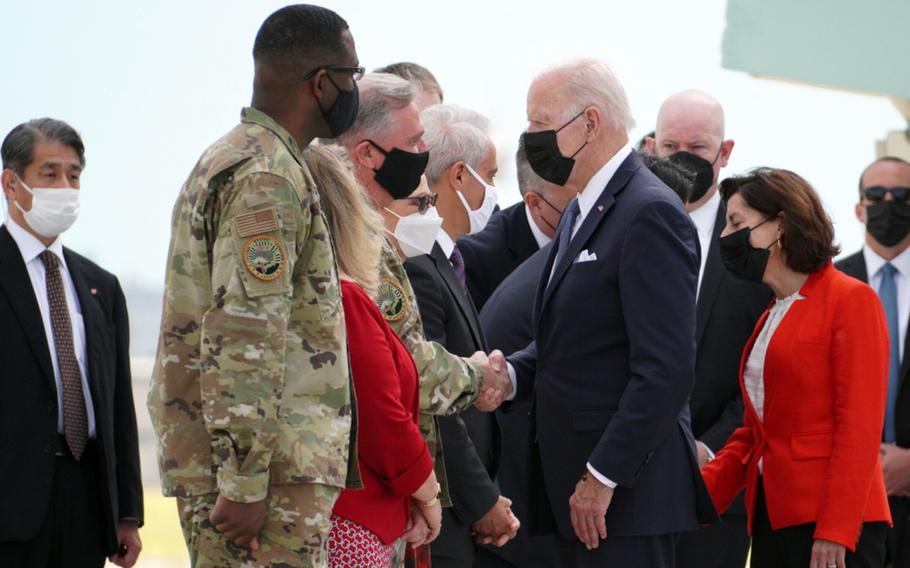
x,y
826,375
394,460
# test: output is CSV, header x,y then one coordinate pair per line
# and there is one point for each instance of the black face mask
x,y
888,221
741,258
344,111
400,172
702,168
544,156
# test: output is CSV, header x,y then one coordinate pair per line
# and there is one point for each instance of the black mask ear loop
x,y
567,124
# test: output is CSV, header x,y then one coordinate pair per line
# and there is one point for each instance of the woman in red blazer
x,y
813,377
399,494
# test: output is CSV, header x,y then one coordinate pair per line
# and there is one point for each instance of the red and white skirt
x,y
352,546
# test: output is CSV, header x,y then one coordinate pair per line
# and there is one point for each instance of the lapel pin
x,y
93,291
600,207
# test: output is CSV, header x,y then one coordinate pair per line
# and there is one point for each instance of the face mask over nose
x,y
416,232
400,172
54,210
544,156
888,221
341,116
702,168
479,217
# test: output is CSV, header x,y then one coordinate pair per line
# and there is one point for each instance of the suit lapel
x,y
592,220
16,284
710,281
92,318
444,267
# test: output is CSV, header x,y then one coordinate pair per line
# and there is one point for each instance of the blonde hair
x,y
355,226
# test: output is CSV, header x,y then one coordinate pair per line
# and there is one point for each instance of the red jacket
x,y
394,460
826,375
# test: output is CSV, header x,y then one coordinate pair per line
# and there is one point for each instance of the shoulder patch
x,y
390,298
264,258
256,222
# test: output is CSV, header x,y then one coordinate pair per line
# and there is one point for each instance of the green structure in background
x,y
855,45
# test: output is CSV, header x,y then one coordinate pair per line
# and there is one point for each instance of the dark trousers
x,y
898,548
657,551
792,546
72,533
721,545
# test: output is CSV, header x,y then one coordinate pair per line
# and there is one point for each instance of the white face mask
x,y
481,216
54,210
417,232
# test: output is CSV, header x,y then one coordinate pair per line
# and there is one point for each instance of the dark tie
x,y
887,293
458,266
565,232
75,418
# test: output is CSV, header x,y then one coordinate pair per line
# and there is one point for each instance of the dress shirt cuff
x,y
707,449
606,481
512,380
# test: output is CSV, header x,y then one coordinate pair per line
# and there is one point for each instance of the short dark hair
x,y
807,238
676,177
894,159
297,39
18,149
414,73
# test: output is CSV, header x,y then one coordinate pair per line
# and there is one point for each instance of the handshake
x,y
496,383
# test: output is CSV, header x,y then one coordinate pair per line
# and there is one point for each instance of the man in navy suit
x,y
513,234
613,466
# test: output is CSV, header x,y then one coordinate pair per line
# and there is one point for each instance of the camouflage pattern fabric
x,y
295,533
448,383
251,386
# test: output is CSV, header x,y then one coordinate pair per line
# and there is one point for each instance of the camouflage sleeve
x,y
448,383
244,333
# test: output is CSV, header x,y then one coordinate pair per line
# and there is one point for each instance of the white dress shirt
x,y
539,236
704,219
754,373
901,263
446,243
31,248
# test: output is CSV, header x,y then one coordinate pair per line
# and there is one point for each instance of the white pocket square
x,y
585,256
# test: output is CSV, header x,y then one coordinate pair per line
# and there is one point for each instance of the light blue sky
x,y
149,85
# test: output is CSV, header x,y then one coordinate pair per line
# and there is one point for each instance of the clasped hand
x,y
498,526
239,522
496,383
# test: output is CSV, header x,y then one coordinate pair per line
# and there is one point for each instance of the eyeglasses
x,y
356,72
878,193
424,201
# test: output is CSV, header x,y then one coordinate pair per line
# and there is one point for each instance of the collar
x,y
596,185
252,115
541,238
29,245
874,262
814,278
445,242
705,216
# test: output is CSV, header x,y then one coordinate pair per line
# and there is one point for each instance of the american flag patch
x,y
256,222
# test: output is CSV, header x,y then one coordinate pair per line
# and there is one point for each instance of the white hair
x,y
590,82
454,133
380,93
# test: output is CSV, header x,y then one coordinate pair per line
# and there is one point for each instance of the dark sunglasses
x,y
356,72
878,193
424,201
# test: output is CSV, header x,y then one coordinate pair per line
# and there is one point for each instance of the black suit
x,y
507,322
899,536
611,370
30,472
726,312
492,254
470,440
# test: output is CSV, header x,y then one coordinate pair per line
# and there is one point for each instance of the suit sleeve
x,y
859,361
126,437
524,363
725,475
391,443
473,492
658,274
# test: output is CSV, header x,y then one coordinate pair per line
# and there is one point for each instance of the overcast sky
x,y
150,84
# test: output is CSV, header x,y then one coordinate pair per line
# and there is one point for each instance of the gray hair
x,y
454,133
380,93
18,147
590,82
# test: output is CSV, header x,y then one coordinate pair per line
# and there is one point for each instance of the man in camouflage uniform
x,y
448,383
251,395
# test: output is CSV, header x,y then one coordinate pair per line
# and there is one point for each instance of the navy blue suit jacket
x,y
612,365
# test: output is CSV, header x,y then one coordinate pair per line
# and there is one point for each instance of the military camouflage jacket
x,y
251,385
448,383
